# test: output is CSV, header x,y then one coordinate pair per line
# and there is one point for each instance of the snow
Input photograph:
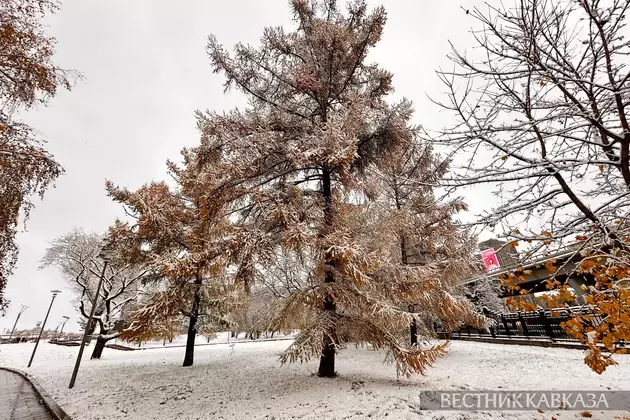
x,y
244,380
200,340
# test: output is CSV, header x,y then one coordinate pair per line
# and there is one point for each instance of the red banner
x,y
490,259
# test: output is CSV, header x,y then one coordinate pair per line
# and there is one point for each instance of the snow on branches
x,y
76,255
183,240
297,169
542,116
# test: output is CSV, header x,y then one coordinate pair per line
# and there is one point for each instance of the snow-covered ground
x,y
245,381
180,341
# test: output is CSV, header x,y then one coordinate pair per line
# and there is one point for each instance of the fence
x,y
541,324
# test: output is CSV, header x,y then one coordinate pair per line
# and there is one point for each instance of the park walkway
x,y
18,399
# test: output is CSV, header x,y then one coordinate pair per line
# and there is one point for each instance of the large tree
x,y
295,165
427,245
27,77
76,255
542,116
178,235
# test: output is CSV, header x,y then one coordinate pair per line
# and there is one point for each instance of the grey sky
x,y
146,71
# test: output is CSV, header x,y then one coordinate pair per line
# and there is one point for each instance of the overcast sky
x,y
146,71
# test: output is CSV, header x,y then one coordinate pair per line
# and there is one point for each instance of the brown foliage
x,y
184,244
297,167
27,77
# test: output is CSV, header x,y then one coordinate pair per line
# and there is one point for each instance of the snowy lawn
x,y
246,382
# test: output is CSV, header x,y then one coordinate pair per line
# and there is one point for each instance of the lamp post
x,y
55,293
65,319
22,309
105,256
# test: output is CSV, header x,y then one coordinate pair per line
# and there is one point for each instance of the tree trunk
x,y
192,325
327,359
100,342
91,327
98,348
414,329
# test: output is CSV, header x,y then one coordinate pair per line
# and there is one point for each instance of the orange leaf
x,y
549,265
586,414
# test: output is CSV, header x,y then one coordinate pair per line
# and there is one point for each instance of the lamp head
x,y
107,250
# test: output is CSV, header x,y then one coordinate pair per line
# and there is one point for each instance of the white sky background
x,y
146,71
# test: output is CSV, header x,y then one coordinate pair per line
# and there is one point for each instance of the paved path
x,y
18,399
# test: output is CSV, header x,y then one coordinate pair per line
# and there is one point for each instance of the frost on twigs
x,y
542,117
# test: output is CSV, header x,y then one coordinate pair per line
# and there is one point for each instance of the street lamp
x,y
61,324
22,309
65,319
55,293
104,255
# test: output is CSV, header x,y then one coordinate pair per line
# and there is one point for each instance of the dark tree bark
x,y
413,326
192,325
327,360
98,348
414,329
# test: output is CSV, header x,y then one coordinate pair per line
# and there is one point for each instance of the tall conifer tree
x,y
296,166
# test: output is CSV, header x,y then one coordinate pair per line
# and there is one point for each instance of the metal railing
x,y
536,325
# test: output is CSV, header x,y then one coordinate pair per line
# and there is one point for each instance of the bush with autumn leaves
x,y
603,322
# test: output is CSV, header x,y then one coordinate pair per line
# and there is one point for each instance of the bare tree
x,y
542,116
76,255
